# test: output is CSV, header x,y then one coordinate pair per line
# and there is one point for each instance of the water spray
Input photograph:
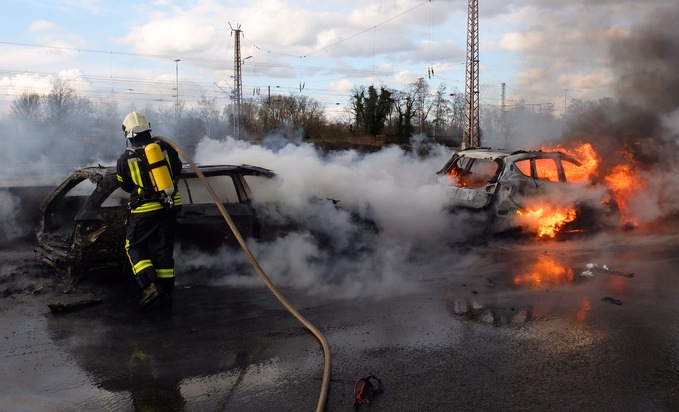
x,y
324,343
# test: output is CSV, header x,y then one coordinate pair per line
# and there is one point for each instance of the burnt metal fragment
x,y
61,308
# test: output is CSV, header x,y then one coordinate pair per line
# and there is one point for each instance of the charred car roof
x,y
501,154
208,170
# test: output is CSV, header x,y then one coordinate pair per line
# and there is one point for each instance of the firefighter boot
x,y
150,293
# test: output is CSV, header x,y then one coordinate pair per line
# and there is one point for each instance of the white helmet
x,y
135,123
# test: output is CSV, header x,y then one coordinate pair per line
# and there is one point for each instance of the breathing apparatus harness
x,y
155,174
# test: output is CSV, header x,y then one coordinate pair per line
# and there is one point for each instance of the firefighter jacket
x,y
133,175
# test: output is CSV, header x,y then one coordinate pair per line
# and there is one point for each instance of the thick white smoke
x,y
395,189
10,206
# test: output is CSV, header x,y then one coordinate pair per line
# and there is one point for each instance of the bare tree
x,y
27,107
60,102
308,113
422,102
105,118
283,113
207,110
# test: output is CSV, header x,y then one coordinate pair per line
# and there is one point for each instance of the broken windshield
x,y
473,173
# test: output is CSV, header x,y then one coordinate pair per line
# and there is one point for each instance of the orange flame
x,y
546,220
585,154
622,182
582,314
546,271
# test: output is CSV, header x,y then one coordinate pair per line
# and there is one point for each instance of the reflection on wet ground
x,y
586,325
529,287
168,353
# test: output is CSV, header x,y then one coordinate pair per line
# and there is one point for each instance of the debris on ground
x,y
595,269
612,300
365,389
61,308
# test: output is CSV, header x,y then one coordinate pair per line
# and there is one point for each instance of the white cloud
x,y
18,84
26,83
171,36
342,85
44,25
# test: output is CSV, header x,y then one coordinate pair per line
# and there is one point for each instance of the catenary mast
x,y
471,136
238,84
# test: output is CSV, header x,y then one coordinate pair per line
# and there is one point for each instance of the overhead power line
x,y
345,39
76,49
367,30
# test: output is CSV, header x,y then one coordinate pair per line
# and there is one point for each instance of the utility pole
x,y
176,107
471,134
238,85
503,119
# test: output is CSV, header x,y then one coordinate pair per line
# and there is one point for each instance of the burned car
x,y
506,183
83,219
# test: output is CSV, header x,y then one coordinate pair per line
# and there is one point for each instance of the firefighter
x,y
150,232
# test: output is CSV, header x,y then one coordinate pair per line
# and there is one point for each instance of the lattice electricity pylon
x,y
238,83
471,136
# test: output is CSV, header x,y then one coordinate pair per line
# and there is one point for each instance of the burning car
x,y
83,219
546,190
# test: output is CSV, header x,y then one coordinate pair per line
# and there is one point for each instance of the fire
x,y
622,180
585,154
546,220
546,271
582,314
623,183
454,178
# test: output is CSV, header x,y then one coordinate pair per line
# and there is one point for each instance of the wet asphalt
x,y
507,325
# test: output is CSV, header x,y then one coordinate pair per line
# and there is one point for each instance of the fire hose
x,y
324,343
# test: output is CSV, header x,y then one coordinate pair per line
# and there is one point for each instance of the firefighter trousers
x,y
149,244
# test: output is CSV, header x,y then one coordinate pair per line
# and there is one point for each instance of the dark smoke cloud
x,y
647,88
615,128
640,126
645,62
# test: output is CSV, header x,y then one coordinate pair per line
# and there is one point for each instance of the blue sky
x,y
543,50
